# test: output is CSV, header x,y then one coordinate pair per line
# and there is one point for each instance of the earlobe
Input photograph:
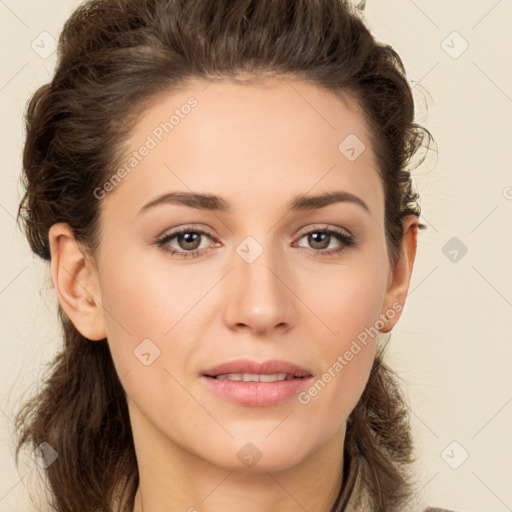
x,y
76,282
401,277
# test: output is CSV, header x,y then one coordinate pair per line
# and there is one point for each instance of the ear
x,y
76,280
401,276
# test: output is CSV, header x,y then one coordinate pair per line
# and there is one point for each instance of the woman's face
x,y
262,272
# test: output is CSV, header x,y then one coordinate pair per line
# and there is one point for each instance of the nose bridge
x,y
259,297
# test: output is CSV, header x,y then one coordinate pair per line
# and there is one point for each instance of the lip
x,y
257,394
265,367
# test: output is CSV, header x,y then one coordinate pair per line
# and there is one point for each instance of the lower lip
x,y
256,394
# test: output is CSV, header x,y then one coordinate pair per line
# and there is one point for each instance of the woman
x,y
223,194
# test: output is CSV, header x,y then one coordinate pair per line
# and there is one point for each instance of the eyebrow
x,y
215,203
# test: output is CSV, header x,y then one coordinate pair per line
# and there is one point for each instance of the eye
x,y
187,242
321,240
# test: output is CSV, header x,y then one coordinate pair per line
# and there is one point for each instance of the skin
x,y
257,146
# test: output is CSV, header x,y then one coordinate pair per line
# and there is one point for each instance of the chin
x,y
259,455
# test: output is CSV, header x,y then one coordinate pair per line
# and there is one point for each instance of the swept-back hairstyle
x,y
114,58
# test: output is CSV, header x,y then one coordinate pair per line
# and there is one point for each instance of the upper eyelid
x,y
185,229
323,227
305,231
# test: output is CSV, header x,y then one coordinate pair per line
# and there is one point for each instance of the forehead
x,y
265,139
263,109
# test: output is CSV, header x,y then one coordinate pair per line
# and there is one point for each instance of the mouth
x,y
256,384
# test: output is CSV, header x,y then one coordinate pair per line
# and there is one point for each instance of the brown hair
x,y
114,57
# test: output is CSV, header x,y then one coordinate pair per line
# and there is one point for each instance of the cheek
x,y
152,314
149,300
347,299
347,361
348,304
146,313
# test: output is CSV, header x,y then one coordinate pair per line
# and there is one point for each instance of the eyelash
x,y
347,242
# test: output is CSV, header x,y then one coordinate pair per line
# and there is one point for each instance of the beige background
x,y
452,346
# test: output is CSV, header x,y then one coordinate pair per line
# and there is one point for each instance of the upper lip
x,y
265,367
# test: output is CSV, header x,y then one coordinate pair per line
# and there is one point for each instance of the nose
x,y
260,295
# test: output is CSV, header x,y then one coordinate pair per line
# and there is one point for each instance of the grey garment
x,y
436,509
